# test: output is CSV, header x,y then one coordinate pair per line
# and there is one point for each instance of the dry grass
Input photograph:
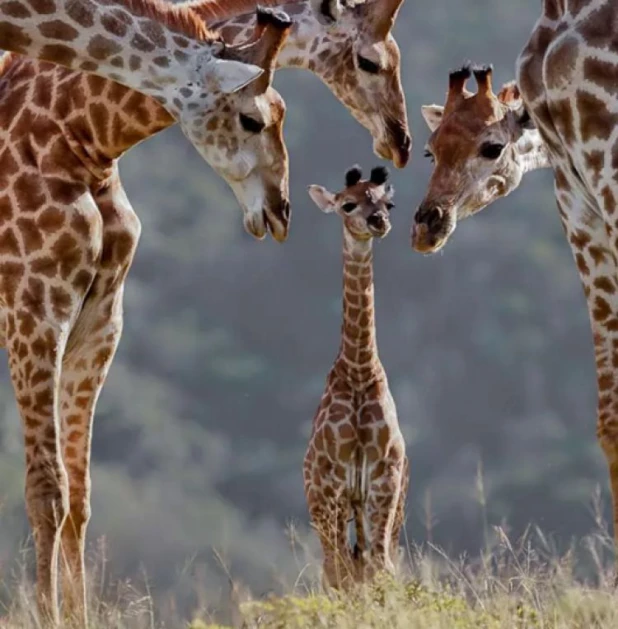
x,y
512,587
527,585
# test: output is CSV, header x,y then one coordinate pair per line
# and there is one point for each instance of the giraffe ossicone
x,y
355,465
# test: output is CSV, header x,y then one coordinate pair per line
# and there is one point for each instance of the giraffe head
x,y
242,134
363,205
481,144
358,59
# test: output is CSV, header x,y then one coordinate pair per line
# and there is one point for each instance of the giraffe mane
x,y
212,10
177,17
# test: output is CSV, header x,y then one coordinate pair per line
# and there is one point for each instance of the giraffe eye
x,y
429,155
491,150
367,66
250,124
390,206
349,207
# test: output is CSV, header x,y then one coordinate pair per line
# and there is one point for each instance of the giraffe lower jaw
x,y
426,243
258,224
395,147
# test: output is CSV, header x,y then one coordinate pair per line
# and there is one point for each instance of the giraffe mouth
x,y
259,224
395,145
277,229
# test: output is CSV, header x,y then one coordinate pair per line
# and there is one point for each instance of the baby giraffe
x,y
356,466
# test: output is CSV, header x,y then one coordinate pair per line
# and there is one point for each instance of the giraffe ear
x,y
433,115
324,199
234,75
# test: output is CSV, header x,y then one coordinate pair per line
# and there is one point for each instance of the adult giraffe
x,y
67,238
483,144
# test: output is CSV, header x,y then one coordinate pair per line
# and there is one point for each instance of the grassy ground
x,y
512,587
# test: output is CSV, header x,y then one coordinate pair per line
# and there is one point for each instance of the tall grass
x,y
510,586
525,584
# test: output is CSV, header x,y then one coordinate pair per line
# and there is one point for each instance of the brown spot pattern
x,y
101,47
57,29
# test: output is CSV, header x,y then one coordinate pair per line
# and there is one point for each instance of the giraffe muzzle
x,y
431,228
278,220
396,144
379,225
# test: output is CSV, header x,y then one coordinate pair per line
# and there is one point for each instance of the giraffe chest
x,y
348,429
568,116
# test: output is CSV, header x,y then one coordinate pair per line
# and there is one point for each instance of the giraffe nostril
x,y
285,210
376,220
435,216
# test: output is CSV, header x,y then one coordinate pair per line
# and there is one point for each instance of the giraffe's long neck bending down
x,y
358,360
146,45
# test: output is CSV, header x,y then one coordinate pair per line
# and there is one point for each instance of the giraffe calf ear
x,y
324,199
433,115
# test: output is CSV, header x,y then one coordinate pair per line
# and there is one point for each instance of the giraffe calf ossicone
x,y
356,465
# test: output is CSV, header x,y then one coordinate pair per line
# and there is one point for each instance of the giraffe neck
x,y
141,44
143,116
358,358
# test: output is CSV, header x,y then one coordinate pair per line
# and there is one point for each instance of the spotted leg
x,y
400,514
329,510
43,289
329,518
591,239
380,514
90,353
35,372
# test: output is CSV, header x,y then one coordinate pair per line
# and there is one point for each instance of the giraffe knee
x,y
79,509
47,495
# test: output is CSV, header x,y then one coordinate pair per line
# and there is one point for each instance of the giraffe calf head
x,y
364,204
481,145
242,134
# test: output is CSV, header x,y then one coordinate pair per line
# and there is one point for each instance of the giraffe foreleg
x,y
330,519
400,512
90,353
592,239
35,351
381,510
83,376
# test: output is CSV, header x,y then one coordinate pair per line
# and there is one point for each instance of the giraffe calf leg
x,y
330,519
400,513
384,513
